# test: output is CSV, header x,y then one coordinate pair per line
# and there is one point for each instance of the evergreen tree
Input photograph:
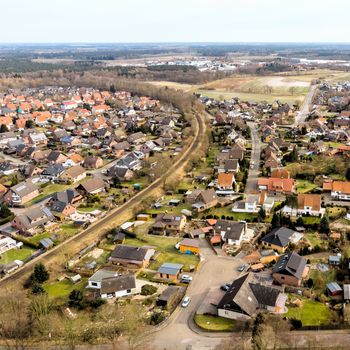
x,y
76,299
3,128
5,212
276,220
40,274
37,288
262,214
324,225
347,174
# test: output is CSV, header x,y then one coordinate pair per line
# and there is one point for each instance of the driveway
x,y
253,174
214,271
306,107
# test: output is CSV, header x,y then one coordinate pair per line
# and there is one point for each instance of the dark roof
x,y
246,295
54,170
129,252
117,283
232,229
291,264
279,236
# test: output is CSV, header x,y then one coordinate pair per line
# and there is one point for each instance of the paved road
x,y
251,186
91,232
306,107
214,271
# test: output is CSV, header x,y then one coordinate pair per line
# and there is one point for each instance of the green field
x,y
16,254
311,313
61,289
214,323
304,186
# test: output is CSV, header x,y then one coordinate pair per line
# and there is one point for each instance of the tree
x,y
40,274
262,214
324,225
347,174
300,221
76,299
29,124
276,220
3,128
37,288
5,212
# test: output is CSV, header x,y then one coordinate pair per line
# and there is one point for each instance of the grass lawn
x,y
16,254
69,230
227,211
50,189
313,239
37,238
167,251
304,186
309,220
214,323
336,212
311,313
61,289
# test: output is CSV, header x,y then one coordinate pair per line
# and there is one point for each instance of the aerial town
x,y
260,224
174,175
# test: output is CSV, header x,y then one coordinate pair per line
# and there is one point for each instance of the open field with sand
x,y
286,87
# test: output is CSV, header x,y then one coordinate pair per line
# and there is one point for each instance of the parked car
x,y
186,301
225,287
241,268
186,279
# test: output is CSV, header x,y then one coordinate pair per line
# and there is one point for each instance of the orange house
x,y
189,246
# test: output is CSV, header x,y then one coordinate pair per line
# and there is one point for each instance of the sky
x,y
127,21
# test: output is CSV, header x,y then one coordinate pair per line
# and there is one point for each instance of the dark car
x,y
225,287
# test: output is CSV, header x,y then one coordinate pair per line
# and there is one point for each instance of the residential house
x,y
206,199
279,238
340,190
169,271
32,220
131,256
95,280
276,186
290,269
118,286
225,181
247,296
92,186
22,193
74,174
168,224
52,172
91,162
231,232
189,246
63,204
310,204
122,173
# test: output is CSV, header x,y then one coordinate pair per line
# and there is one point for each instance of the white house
x,y
118,286
96,279
7,243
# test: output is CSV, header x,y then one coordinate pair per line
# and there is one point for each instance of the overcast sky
x,y
66,21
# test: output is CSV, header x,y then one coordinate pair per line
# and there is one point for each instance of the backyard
x,y
310,313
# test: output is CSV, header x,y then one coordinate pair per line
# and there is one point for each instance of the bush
x,y
148,289
157,318
95,304
296,324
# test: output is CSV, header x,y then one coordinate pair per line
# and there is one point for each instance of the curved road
x,y
113,215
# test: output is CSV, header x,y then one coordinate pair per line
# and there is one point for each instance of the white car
x,y
186,279
186,301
